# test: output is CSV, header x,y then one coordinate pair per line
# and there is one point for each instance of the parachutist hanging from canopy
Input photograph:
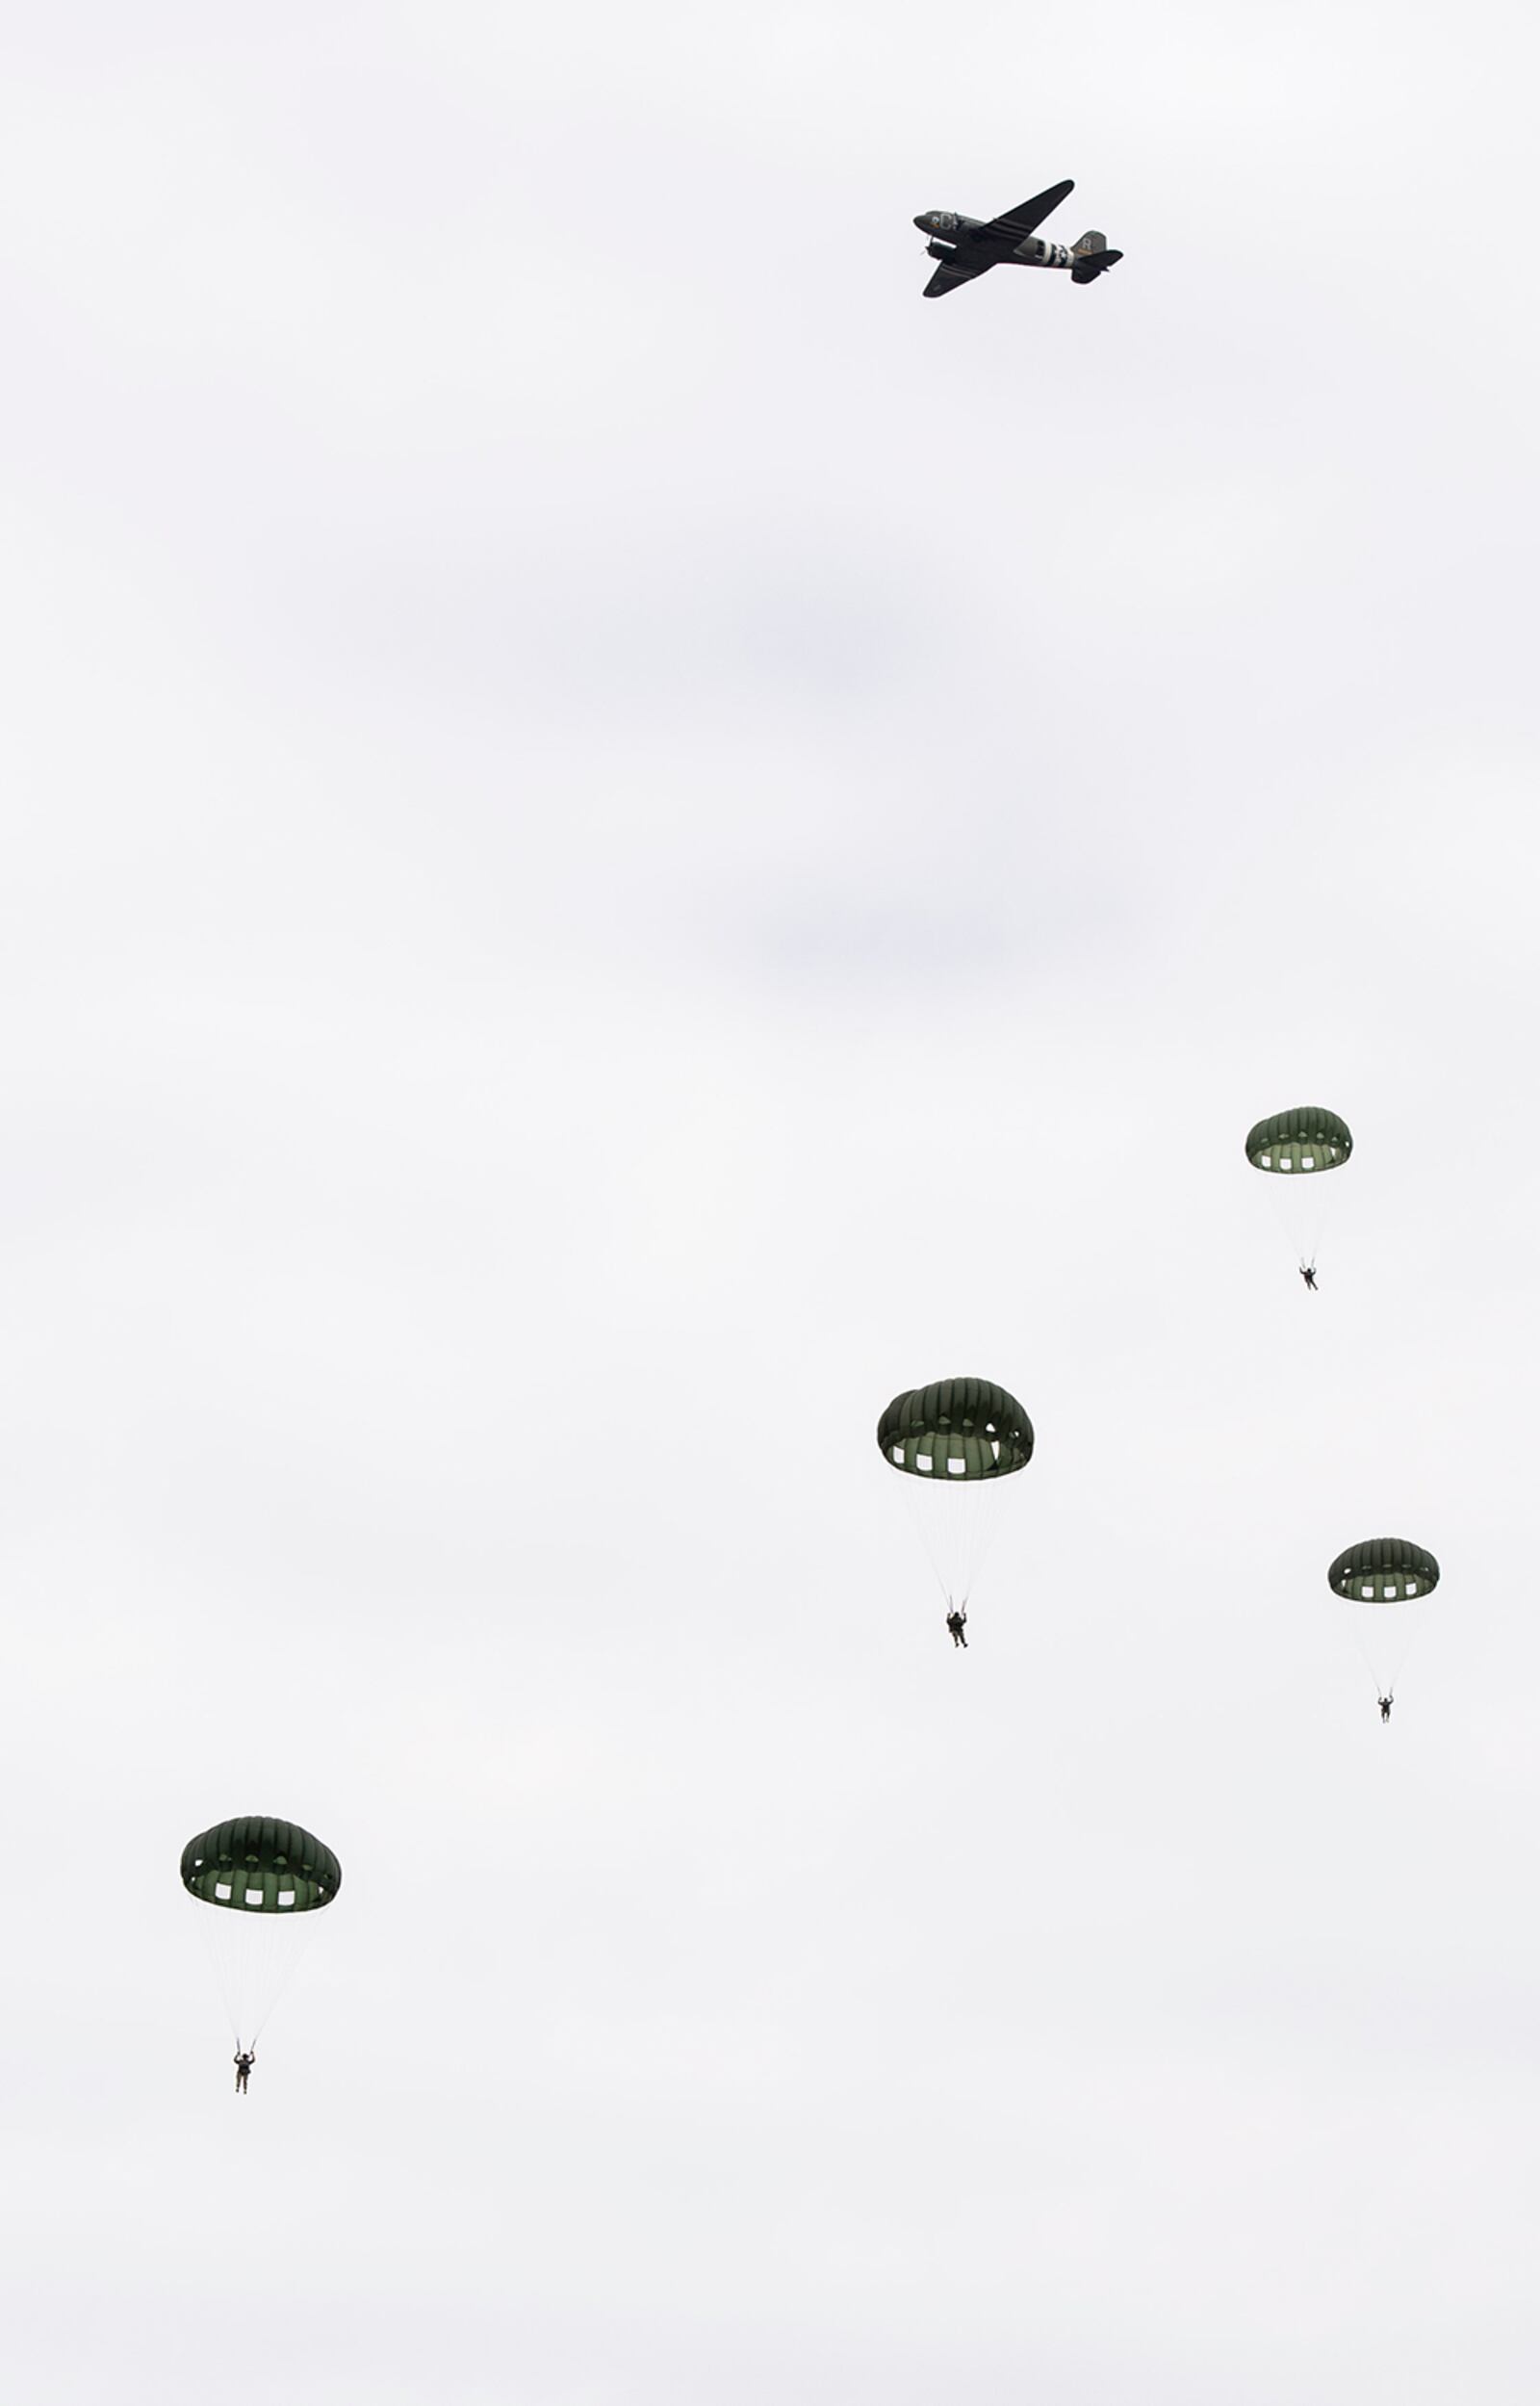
x,y
265,1880
1389,1576
1292,1147
955,1441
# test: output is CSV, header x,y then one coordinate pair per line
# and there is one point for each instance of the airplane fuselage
x,y
949,234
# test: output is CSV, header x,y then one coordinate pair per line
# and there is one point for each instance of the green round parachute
x,y
260,1865
957,1429
1303,1140
1383,1570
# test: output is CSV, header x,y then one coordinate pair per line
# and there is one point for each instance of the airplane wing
x,y
1017,223
953,272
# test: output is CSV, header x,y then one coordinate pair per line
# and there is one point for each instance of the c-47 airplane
x,y
970,246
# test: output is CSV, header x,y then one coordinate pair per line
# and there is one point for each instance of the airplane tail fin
x,y
1092,258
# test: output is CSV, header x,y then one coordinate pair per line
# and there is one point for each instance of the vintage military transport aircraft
x,y
967,247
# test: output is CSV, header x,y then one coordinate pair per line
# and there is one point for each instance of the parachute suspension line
x,y
981,1516
929,1523
957,1524
1358,1640
221,1952
299,1937
254,1957
1393,1658
1300,1218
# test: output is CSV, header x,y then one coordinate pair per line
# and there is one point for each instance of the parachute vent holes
x,y
254,1895
222,1889
924,1461
286,1896
956,1469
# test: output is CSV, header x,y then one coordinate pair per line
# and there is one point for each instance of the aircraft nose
x,y
923,220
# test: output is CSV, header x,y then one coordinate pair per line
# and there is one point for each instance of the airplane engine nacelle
x,y
940,250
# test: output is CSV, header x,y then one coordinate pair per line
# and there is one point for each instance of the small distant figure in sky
x,y
243,2069
956,1622
1307,1271
1385,1703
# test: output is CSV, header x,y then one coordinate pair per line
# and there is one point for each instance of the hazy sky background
x,y
621,840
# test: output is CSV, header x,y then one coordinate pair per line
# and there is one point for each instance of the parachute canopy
x,y
260,1865
1306,1139
1383,1570
958,1429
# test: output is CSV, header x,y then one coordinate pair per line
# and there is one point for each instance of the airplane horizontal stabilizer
x,y
1092,263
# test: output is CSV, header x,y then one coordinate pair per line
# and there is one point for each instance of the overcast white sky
x,y
621,840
